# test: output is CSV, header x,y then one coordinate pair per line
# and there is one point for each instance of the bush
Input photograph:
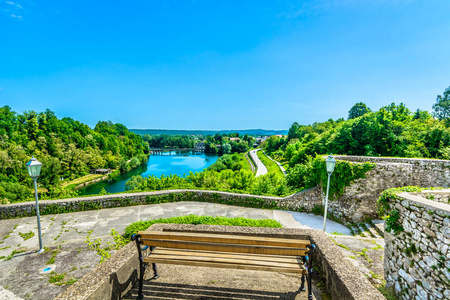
x,y
193,219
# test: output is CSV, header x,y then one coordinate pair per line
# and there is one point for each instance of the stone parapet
x,y
359,199
302,201
416,262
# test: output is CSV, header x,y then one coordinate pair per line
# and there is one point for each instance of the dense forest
x,y
228,143
169,141
67,149
215,144
391,131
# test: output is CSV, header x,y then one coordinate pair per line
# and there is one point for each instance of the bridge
x,y
156,151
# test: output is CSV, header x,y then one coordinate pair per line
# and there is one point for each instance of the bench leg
x,y
302,286
155,271
142,265
312,248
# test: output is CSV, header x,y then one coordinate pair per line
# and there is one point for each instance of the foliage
x,y
119,242
169,141
240,181
226,148
392,216
358,110
27,235
391,131
232,162
272,167
314,172
67,149
207,220
441,109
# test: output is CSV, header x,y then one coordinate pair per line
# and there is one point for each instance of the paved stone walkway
x,y
65,235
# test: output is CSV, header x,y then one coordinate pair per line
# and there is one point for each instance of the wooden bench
x,y
224,251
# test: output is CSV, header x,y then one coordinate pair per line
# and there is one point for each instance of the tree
x,y
441,109
358,110
226,148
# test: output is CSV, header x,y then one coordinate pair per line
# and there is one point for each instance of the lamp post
x,y
330,162
34,169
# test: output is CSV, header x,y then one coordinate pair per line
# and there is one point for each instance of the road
x,y
261,169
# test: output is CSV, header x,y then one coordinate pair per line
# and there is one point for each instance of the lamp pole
x,y
330,162
34,169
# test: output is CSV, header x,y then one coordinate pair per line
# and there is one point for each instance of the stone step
x,y
365,230
379,226
355,229
373,232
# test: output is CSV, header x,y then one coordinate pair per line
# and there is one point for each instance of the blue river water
x,y
165,164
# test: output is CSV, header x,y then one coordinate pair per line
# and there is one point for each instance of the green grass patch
x,y
272,167
193,219
245,163
27,235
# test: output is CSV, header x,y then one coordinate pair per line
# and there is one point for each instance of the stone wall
x,y
417,259
302,201
359,199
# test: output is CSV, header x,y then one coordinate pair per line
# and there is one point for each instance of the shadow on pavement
x,y
156,290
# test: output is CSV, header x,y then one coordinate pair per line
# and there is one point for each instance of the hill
x,y
251,132
67,149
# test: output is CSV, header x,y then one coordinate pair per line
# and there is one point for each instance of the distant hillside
x,y
252,132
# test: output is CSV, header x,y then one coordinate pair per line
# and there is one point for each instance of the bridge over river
x,y
156,151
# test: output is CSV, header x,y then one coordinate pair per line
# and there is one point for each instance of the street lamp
x,y
330,162
34,169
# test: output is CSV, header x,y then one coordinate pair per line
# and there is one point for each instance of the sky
x,y
210,64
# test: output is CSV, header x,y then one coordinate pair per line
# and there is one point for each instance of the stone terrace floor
x,y
65,237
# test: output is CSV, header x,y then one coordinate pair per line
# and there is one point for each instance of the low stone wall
x,y
359,199
441,196
416,262
302,201
113,278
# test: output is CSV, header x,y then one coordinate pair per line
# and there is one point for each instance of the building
x,y
200,146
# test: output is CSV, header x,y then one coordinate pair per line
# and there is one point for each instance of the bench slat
x,y
227,265
223,238
222,247
255,257
244,261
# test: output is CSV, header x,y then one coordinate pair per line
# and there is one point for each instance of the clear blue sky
x,y
213,64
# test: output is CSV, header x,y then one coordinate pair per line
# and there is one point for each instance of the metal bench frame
x,y
307,261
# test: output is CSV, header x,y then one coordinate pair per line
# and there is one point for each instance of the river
x,y
165,164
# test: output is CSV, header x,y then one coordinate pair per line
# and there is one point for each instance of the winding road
x,y
261,169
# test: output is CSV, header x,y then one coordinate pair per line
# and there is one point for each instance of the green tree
x,y
358,110
441,109
226,148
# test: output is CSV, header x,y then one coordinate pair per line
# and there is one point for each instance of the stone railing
x,y
416,262
302,201
359,199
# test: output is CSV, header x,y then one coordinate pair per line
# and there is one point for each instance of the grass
x,y
193,219
245,163
80,180
27,235
272,167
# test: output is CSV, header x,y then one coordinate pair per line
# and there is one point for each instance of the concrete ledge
x,y
113,278
426,203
